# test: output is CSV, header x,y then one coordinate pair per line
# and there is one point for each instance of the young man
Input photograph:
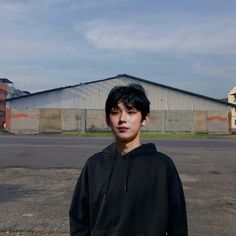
x,y
128,189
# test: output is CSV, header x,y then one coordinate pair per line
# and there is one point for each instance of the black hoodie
x,y
137,194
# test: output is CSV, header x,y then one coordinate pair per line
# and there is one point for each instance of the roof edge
x,y
131,77
41,92
172,88
5,81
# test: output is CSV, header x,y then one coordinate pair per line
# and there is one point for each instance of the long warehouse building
x,y
80,108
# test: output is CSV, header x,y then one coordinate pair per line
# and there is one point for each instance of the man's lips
x,y
122,129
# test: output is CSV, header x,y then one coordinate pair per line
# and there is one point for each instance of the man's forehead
x,y
126,105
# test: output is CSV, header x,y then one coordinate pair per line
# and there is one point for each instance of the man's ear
x,y
145,120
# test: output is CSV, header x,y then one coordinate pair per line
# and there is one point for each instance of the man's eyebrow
x,y
130,107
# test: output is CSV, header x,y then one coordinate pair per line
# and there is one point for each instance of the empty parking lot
x,y
38,174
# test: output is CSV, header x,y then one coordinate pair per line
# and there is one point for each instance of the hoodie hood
x,y
111,151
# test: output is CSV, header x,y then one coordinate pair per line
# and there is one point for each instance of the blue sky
x,y
186,44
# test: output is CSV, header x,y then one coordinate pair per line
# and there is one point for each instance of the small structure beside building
x,y
232,99
81,108
7,91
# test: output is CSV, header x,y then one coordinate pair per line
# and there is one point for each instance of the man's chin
x,y
125,138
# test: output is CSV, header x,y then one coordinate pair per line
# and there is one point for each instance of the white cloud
x,y
167,34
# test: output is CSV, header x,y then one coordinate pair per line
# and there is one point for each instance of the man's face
x,y
125,122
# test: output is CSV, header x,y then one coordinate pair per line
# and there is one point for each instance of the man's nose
x,y
123,117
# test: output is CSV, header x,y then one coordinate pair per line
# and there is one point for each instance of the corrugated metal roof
x,y
134,78
42,92
5,81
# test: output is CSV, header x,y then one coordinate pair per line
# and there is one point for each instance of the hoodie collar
x,y
111,153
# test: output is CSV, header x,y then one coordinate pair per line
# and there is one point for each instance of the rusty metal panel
x,y
24,121
218,122
200,121
50,120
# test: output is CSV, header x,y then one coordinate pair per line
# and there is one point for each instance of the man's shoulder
x,y
163,157
103,155
160,158
99,156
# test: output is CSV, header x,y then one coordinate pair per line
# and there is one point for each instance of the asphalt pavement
x,y
38,174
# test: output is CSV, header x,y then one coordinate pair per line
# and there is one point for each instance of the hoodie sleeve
x,y
79,209
177,224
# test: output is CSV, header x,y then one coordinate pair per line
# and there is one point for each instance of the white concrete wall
x,y
80,120
232,99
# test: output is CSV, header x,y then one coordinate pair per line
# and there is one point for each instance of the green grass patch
x,y
186,135
155,135
88,134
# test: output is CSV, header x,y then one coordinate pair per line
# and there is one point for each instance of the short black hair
x,y
132,95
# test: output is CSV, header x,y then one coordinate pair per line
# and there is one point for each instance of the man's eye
x,y
114,112
131,112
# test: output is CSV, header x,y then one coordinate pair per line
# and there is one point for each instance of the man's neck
x,y
125,147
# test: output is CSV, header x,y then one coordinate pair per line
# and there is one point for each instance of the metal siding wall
x,y
171,110
166,99
93,96
68,98
47,100
179,102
